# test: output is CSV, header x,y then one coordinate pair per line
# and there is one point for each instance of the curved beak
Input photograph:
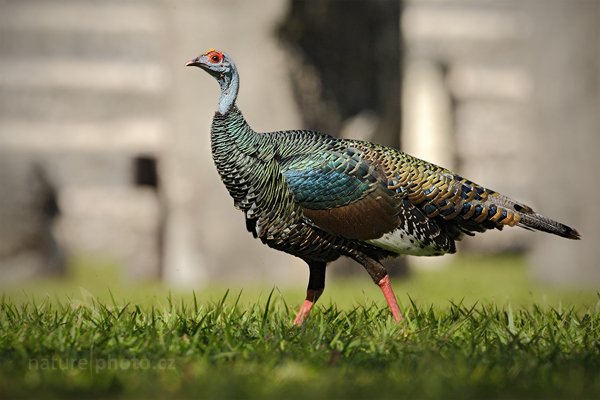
x,y
193,63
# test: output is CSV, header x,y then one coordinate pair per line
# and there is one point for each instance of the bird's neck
x,y
236,151
231,132
230,85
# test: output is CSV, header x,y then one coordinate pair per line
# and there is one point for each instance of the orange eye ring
x,y
214,56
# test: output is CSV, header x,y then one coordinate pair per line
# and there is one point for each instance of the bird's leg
x,y
380,277
386,287
316,285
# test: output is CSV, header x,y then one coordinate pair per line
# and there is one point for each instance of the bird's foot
x,y
311,298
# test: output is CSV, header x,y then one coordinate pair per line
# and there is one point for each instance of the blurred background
x,y
104,134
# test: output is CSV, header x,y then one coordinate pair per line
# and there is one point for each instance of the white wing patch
x,y
400,242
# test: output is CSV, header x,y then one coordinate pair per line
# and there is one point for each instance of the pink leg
x,y
311,298
390,297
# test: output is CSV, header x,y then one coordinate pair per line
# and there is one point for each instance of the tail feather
x,y
544,224
531,220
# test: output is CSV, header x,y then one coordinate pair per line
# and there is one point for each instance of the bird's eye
x,y
215,57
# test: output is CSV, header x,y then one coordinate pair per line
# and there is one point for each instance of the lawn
x,y
479,329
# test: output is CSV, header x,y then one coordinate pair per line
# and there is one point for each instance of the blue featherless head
x,y
222,68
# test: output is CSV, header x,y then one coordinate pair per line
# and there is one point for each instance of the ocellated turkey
x,y
319,198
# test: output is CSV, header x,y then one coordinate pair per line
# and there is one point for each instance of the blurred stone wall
x,y
104,134
83,93
97,96
28,211
564,60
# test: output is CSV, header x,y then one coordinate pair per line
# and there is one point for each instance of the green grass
x,y
222,350
491,333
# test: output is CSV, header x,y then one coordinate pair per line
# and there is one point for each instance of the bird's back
x,y
376,194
